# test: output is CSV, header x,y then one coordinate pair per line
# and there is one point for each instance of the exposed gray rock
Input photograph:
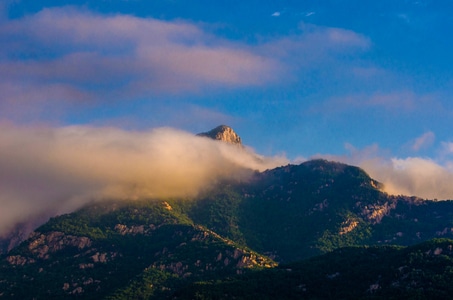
x,y
86,266
99,257
133,230
19,260
43,244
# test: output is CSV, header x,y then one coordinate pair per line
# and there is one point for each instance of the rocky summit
x,y
223,133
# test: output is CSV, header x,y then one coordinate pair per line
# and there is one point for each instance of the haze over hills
x,y
240,226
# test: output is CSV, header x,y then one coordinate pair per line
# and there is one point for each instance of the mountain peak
x,y
223,133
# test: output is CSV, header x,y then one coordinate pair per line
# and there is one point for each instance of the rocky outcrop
x,y
375,212
230,258
44,244
104,257
223,133
133,230
19,260
348,226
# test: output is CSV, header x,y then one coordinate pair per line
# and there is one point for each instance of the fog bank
x,y
412,176
57,170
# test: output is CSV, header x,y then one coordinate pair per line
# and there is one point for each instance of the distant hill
x,y
423,271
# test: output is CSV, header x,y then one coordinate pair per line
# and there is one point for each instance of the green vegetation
x,y
219,210
120,251
150,283
386,272
97,221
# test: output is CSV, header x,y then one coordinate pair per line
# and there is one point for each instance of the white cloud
x,y
447,148
396,102
418,176
413,176
423,141
69,55
101,56
46,171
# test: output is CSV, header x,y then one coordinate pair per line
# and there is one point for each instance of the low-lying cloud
x,y
413,176
47,171
57,170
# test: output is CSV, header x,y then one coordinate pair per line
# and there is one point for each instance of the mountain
x,y
157,249
283,233
20,231
223,133
107,250
298,211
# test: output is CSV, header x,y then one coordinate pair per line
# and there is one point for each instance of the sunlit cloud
x,y
48,171
67,56
412,176
422,177
120,55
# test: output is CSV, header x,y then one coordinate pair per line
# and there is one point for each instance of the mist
x,y
46,171
411,176
50,171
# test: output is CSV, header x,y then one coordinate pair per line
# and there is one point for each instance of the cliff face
x,y
223,133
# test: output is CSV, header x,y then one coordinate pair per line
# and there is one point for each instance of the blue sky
x,y
357,81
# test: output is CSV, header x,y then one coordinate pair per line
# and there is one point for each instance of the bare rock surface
x,y
223,133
